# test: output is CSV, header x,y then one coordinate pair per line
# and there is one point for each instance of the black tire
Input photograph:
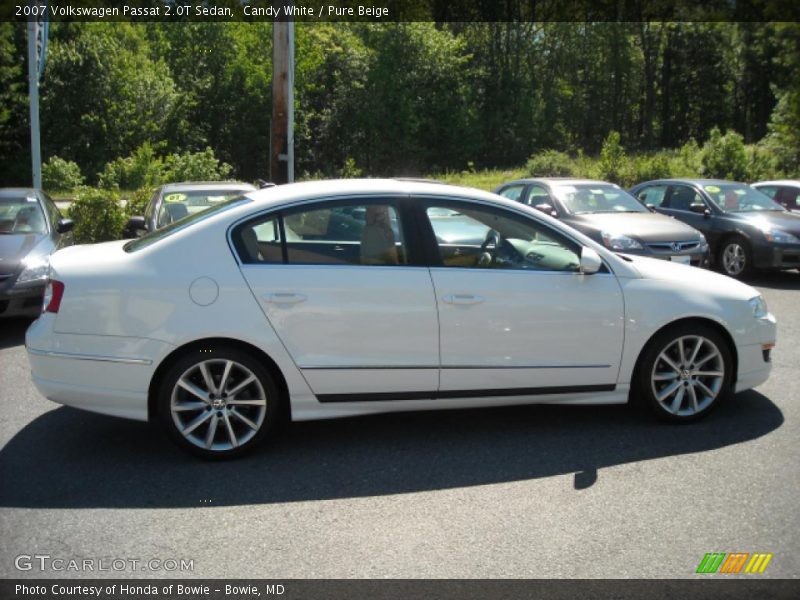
x,y
652,370
740,247
232,435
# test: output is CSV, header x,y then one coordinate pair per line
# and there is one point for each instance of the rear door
x,y
340,283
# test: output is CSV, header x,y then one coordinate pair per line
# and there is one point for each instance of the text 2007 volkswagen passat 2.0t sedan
x,y
338,298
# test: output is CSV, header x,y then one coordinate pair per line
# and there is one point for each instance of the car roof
x,y
691,180
190,186
19,191
790,182
559,181
321,189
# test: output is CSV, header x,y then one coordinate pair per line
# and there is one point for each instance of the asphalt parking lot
x,y
522,492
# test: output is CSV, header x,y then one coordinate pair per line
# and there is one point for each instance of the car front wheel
x,y
218,402
685,372
735,258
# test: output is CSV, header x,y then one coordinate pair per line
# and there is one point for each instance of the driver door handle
x,y
284,298
462,299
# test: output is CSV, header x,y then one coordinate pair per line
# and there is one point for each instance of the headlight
x,y
780,237
620,242
35,269
759,306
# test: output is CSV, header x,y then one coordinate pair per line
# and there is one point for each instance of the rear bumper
x,y
104,374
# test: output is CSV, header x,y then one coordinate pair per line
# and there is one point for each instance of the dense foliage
x,y
130,102
97,214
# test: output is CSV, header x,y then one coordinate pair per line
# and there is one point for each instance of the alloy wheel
x,y
734,259
218,404
688,375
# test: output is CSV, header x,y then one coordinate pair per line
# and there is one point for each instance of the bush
x,y
761,163
61,175
195,166
97,215
613,164
551,163
724,156
645,167
142,168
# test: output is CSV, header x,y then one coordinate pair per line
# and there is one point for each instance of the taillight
x,y
52,296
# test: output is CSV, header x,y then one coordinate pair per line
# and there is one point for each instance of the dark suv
x,y
745,228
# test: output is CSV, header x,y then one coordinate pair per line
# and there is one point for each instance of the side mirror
x,y
700,208
64,225
547,209
651,207
134,227
590,261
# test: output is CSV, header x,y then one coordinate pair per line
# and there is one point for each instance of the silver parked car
x,y
174,201
31,229
611,216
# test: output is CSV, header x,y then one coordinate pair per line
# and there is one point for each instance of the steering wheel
x,y
489,248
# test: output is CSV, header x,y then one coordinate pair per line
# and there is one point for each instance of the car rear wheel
x,y
685,372
735,258
218,402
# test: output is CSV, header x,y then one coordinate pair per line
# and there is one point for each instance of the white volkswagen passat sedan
x,y
338,298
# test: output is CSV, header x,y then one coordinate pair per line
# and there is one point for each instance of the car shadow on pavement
x,y
13,332
72,459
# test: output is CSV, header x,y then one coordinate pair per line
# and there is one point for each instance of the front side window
x,y
512,192
20,215
787,197
681,197
538,195
594,198
652,195
337,234
475,236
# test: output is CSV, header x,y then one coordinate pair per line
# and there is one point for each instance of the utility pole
x,y
33,87
282,130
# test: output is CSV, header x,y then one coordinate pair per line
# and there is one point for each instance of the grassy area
x,y
487,179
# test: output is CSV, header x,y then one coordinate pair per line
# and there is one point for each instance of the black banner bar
x,y
707,587
402,10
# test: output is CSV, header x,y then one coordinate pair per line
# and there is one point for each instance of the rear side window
x,y
512,192
368,233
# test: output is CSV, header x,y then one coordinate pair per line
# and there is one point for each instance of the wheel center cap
x,y
685,374
218,403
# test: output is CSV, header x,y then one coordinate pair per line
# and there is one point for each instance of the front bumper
x,y
755,360
784,256
21,301
699,257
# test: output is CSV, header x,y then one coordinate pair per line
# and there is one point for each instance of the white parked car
x,y
785,192
338,298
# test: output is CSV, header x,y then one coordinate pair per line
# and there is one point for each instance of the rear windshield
x,y
180,224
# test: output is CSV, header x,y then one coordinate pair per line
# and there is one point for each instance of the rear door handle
x,y
285,298
462,299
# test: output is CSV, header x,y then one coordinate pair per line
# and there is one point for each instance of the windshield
x,y
583,199
187,221
178,204
21,215
738,197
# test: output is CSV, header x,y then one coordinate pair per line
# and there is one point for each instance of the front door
x,y
515,314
